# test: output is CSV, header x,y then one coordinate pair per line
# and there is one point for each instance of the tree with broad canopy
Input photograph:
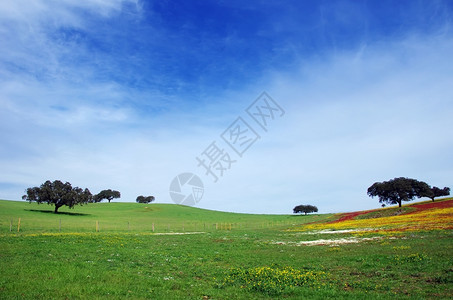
x,y
400,189
438,192
143,199
305,209
58,194
106,194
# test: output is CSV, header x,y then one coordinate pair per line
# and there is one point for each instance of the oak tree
x,y
143,199
58,194
397,190
305,209
107,195
438,192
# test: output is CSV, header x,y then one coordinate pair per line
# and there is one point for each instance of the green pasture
x,y
133,217
258,258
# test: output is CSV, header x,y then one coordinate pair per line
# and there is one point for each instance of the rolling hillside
x,y
134,217
380,254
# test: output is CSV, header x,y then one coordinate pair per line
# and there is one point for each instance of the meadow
x,y
163,251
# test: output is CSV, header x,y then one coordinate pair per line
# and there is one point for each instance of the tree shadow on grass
x,y
59,213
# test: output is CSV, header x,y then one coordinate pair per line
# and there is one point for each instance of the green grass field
x,y
201,254
132,217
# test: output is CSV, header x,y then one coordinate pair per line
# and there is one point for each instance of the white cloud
x,y
61,12
44,39
350,123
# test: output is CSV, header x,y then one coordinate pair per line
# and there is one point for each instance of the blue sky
x,y
126,94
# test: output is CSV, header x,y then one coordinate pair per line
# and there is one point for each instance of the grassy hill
x,y
135,217
380,254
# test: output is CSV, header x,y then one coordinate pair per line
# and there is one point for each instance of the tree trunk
x,y
399,204
56,208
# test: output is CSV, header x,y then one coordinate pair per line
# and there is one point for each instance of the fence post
x,y
153,227
59,227
18,226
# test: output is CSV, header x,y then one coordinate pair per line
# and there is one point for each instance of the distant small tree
x,y
397,190
143,199
107,195
58,194
305,209
437,192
